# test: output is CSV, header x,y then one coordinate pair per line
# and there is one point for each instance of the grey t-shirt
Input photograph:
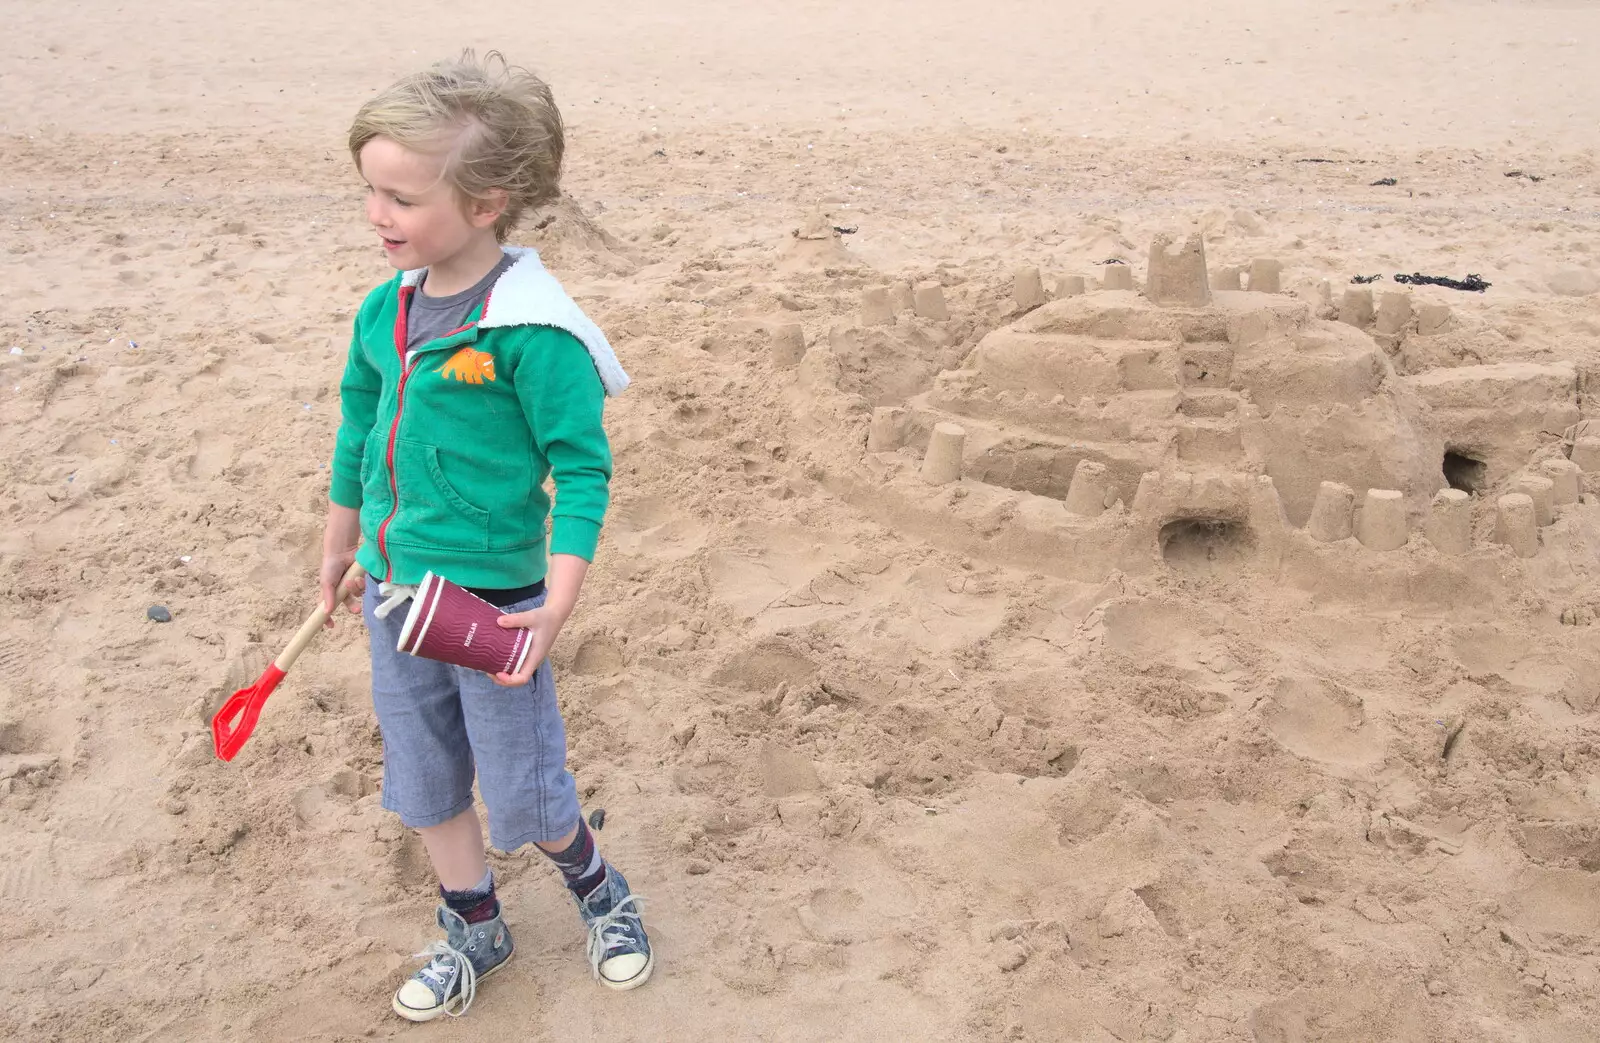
x,y
430,318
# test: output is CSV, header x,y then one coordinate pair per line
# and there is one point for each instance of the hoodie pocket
x,y
432,513
372,462
375,496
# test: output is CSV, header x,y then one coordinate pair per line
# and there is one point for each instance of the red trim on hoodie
x,y
394,428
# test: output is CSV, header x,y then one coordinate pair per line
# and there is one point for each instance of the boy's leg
x,y
456,850
519,743
619,949
578,858
427,780
427,757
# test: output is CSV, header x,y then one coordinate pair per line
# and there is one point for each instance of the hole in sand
x,y
1465,473
1205,545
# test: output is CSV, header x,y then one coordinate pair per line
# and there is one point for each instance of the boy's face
x,y
418,213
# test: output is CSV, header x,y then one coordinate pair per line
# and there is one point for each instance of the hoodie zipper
x,y
406,367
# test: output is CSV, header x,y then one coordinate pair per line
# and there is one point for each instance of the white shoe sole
x,y
411,1014
635,981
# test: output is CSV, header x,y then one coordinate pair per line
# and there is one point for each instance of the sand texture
x,y
1169,701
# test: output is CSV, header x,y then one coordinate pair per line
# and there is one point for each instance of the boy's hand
x,y
565,581
545,622
334,566
340,539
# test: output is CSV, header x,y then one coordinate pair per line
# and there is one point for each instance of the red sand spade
x,y
231,726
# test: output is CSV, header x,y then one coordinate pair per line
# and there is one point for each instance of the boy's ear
x,y
483,211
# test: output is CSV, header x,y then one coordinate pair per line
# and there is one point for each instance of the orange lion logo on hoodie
x,y
469,365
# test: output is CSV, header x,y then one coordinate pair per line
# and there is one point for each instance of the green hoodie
x,y
446,453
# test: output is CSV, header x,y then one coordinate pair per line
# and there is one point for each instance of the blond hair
x,y
496,125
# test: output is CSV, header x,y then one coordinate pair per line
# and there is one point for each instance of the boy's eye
x,y
403,202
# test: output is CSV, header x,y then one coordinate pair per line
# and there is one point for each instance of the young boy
x,y
471,378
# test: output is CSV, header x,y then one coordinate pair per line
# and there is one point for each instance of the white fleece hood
x,y
528,295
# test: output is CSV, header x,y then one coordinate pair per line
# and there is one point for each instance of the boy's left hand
x,y
545,622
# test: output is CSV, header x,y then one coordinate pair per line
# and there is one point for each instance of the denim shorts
x,y
442,724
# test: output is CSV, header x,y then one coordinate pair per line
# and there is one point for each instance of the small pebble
x,y
1437,988
159,613
699,868
597,820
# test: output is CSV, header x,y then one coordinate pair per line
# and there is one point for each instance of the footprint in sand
x,y
763,567
653,528
599,656
1370,1012
1574,845
320,806
396,928
205,376
1084,812
765,666
213,453
284,554
14,661
1559,901
1320,722
785,772
1488,650
29,873
93,812
61,531
834,915
936,610
17,739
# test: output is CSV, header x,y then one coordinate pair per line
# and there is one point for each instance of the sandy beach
x,y
1178,700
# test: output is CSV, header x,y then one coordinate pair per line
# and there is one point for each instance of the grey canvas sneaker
x,y
468,954
619,951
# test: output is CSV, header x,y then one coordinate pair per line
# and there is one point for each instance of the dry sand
x,y
888,760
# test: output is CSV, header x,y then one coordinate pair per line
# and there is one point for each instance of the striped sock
x,y
476,904
580,864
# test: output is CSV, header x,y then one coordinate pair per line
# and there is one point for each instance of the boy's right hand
x,y
334,566
340,539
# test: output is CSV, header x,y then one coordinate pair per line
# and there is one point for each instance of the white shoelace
x,y
461,968
609,930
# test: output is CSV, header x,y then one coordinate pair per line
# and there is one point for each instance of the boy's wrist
x,y
560,604
342,533
563,584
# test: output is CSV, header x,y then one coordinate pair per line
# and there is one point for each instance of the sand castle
x,y
1190,421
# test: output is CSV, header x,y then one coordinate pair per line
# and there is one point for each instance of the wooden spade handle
x,y
349,585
